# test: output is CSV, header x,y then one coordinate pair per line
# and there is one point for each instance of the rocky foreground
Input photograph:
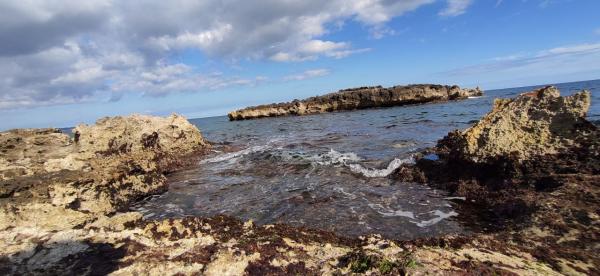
x,y
358,98
529,170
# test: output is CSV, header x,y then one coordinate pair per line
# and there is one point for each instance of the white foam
x,y
334,158
368,172
236,154
455,197
341,190
440,216
391,213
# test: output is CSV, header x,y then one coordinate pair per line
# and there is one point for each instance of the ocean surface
x,y
330,171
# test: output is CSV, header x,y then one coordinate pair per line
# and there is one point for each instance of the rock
x,y
26,152
537,123
61,217
359,98
101,170
136,133
529,171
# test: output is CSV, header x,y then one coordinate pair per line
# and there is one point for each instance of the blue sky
x,y
68,62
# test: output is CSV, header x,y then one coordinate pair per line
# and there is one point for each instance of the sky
x,y
65,62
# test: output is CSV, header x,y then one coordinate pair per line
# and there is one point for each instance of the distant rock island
x,y
359,98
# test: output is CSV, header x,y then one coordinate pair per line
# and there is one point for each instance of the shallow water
x,y
329,171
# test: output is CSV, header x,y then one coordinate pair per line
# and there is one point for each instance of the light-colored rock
x,y
532,124
26,151
55,181
173,134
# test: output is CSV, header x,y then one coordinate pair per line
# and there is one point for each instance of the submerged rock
x,y
359,98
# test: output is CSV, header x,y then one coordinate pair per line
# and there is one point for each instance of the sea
x,y
331,171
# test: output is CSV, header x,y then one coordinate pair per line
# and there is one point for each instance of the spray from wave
x,y
331,158
392,166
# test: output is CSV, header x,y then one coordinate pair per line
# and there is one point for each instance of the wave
x,y
392,166
350,159
330,158
234,155
334,158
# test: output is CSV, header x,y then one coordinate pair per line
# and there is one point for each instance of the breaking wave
x,y
392,166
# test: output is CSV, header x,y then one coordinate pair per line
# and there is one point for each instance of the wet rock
x,y
66,218
529,171
359,98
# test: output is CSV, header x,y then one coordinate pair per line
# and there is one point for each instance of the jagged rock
x,y
135,133
27,151
57,218
63,182
359,98
533,124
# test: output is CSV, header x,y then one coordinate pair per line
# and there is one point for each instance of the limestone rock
x,y
533,124
359,98
27,151
135,133
49,178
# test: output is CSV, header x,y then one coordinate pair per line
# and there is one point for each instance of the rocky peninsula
x,y
530,168
359,98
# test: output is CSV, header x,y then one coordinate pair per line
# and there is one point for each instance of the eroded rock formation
x,y
531,168
358,98
52,180
63,203
537,123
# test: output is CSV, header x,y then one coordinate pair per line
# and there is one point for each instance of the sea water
x,y
330,171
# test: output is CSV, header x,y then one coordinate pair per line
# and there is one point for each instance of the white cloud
x,y
308,74
456,7
202,40
569,59
69,51
312,49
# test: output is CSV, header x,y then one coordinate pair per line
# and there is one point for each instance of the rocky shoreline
x,y
359,98
530,168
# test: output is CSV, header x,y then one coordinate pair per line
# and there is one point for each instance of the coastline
x,y
75,221
358,98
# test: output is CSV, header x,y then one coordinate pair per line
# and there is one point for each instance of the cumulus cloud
x,y
308,74
68,51
312,49
457,7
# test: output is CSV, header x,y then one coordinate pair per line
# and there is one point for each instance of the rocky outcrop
x,y
537,123
138,133
530,169
63,204
359,98
52,180
26,152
